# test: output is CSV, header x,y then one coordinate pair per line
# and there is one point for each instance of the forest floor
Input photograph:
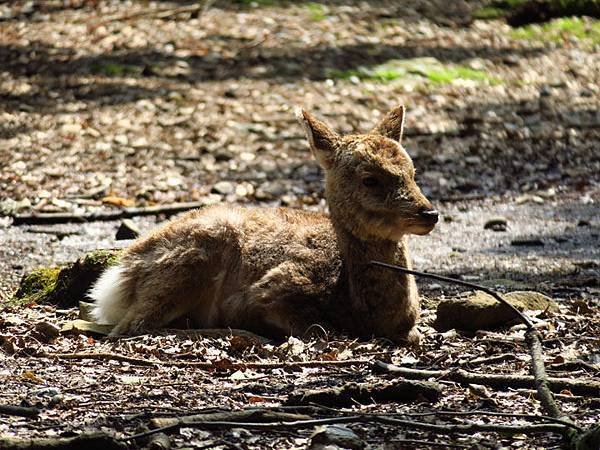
x,y
109,104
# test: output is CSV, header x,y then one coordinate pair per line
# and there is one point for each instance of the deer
x,y
279,271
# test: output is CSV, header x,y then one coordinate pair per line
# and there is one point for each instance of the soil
x,y
105,104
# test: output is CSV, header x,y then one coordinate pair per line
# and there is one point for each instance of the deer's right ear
x,y
323,140
392,125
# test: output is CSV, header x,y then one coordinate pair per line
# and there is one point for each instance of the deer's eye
x,y
370,182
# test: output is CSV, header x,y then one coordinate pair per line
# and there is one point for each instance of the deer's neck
x,y
380,299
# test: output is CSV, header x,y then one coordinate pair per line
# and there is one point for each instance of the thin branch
x,y
542,382
465,427
53,218
581,387
213,365
567,423
522,317
22,411
89,441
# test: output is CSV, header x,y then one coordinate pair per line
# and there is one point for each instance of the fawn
x,y
277,271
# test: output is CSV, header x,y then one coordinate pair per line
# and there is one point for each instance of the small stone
x,y
583,223
533,242
46,332
496,224
224,188
121,139
335,437
127,230
223,155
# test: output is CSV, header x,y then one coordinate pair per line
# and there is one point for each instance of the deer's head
x,y
370,179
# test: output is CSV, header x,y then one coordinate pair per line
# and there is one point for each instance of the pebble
x,y
223,187
127,230
496,224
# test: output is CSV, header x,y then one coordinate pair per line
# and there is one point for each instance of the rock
x,y
334,437
496,224
224,188
527,242
65,286
83,326
481,311
533,301
127,230
46,332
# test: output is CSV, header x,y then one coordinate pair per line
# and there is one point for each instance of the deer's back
x,y
245,242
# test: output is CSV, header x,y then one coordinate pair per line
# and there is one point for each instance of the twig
x,y
91,441
581,387
539,373
523,318
214,365
162,13
53,218
419,443
495,414
465,427
22,411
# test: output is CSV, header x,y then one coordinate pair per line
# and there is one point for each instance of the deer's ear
x,y
392,125
323,140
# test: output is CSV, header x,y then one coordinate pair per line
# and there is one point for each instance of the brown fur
x,y
278,271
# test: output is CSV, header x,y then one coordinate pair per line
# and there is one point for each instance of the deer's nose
x,y
430,215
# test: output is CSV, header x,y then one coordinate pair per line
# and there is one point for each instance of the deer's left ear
x,y
392,125
322,139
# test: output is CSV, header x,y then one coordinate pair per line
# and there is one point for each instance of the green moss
x,y
415,69
560,30
116,69
489,13
497,9
36,286
449,74
65,286
317,11
103,257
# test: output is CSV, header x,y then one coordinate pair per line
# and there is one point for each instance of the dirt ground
x,y
106,104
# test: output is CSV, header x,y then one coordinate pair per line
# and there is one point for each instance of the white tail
x,y
110,296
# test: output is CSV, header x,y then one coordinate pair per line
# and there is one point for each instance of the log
x,y
588,388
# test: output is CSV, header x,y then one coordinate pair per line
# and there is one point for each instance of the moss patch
x,y
562,29
497,9
115,69
416,70
317,11
36,286
66,286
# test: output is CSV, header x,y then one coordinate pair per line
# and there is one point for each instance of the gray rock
x,y
496,224
224,188
127,230
481,311
335,437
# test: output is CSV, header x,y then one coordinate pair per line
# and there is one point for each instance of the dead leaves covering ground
x,y
100,112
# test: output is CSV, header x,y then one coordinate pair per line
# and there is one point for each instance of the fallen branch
x,y
161,13
22,411
349,394
253,415
589,388
282,424
91,441
212,365
125,213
